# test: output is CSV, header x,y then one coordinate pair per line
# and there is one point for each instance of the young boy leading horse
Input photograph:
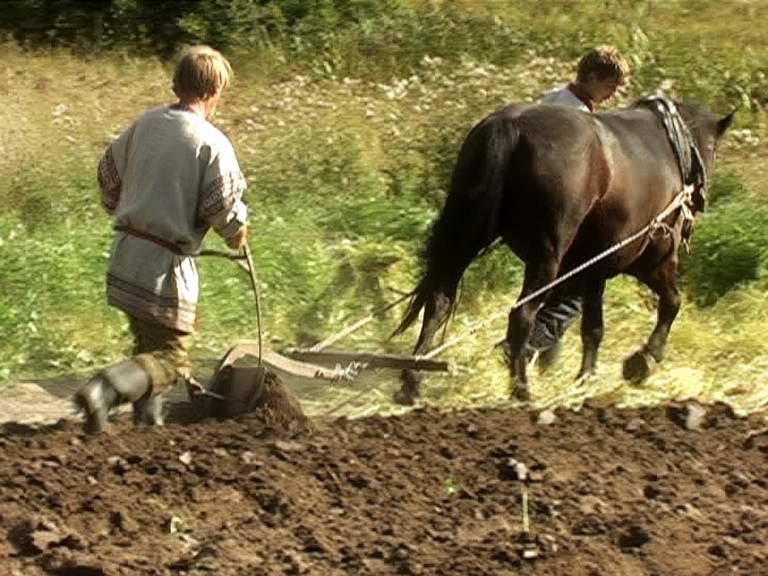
x,y
599,74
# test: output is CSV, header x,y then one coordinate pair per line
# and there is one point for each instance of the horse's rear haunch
x,y
559,186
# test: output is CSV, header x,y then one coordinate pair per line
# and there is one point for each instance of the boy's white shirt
x,y
564,97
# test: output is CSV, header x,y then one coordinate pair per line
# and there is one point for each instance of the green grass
x,y
347,164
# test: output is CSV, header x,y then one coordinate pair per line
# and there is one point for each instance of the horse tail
x,y
418,301
468,222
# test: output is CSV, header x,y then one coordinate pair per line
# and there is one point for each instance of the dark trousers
x,y
553,320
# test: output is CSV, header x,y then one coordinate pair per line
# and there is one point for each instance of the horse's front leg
x,y
521,319
436,311
591,327
663,281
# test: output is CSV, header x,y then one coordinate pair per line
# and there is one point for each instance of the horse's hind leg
x,y
521,320
663,281
591,327
436,310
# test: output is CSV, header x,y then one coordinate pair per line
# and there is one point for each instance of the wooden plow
x,y
313,362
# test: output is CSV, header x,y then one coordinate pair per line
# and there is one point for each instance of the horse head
x,y
707,130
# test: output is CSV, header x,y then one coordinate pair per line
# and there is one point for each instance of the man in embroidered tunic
x,y
165,180
599,74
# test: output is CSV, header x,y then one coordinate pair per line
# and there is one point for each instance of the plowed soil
x,y
609,492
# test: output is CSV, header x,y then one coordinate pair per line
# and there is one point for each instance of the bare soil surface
x,y
661,491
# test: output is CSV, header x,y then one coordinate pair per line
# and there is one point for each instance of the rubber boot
x,y
125,381
148,411
95,400
550,356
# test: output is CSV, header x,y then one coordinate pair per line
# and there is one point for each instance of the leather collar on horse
x,y
686,152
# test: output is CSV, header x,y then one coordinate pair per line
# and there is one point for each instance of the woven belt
x,y
151,237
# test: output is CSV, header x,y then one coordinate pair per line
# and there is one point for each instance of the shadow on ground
x,y
47,400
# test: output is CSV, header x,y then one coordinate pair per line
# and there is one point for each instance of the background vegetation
x,y
347,115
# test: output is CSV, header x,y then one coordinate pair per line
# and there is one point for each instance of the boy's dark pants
x,y
162,352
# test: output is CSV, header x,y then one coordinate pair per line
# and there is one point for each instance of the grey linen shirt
x,y
166,180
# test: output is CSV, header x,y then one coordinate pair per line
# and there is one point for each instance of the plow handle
x,y
255,287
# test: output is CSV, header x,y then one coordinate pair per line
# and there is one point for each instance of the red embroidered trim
x,y
109,180
221,194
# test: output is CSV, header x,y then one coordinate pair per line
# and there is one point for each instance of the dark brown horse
x,y
558,186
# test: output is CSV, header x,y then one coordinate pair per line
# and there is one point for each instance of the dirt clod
x,y
634,537
432,493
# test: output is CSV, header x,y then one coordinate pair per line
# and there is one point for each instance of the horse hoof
x,y
637,367
522,393
405,397
410,388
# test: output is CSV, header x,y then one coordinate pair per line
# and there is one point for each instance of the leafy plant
x,y
452,487
730,248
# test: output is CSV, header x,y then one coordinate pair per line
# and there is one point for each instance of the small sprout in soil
x,y
451,486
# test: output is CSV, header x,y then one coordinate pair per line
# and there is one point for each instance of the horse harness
x,y
689,161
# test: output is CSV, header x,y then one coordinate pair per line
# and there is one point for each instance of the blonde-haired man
x,y
166,180
599,74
